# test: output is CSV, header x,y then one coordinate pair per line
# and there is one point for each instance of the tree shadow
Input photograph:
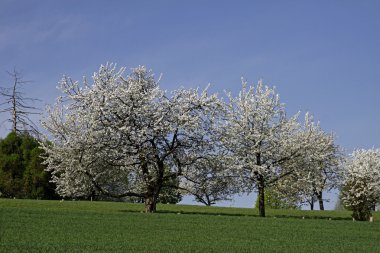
x,y
281,216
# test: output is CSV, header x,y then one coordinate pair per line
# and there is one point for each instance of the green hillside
x,y
79,226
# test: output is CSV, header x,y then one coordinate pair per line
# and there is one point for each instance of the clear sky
x,y
323,56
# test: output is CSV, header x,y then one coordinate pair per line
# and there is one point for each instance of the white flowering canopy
x,y
119,134
122,135
317,166
258,135
361,184
265,146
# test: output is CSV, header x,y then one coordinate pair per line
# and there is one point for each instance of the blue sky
x,y
323,56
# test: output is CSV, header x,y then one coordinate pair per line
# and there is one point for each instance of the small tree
x,y
361,185
18,105
275,200
209,180
339,206
170,193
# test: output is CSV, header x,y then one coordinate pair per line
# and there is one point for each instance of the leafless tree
x,y
19,106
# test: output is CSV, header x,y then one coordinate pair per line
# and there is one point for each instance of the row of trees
x,y
124,136
22,174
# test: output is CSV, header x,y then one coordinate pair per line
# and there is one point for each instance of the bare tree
x,y
19,106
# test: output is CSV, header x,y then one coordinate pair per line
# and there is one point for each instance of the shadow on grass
x,y
310,217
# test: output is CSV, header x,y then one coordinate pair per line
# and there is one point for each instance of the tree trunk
x,y
261,186
208,202
320,200
261,197
14,120
14,107
150,203
154,188
311,202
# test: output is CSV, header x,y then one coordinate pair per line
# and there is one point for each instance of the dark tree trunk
x,y
311,202
261,197
14,108
208,202
261,187
320,200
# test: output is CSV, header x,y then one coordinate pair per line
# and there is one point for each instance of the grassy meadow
x,y
81,226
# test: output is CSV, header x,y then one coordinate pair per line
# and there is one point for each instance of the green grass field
x,y
80,226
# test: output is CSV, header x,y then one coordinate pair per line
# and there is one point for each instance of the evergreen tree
x,y
22,174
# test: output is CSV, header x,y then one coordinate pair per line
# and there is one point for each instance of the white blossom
x,y
316,167
261,141
116,135
361,184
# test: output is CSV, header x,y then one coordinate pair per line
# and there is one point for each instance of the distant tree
x,y
339,206
18,105
361,185
170,193
275,200
21,173
209,183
